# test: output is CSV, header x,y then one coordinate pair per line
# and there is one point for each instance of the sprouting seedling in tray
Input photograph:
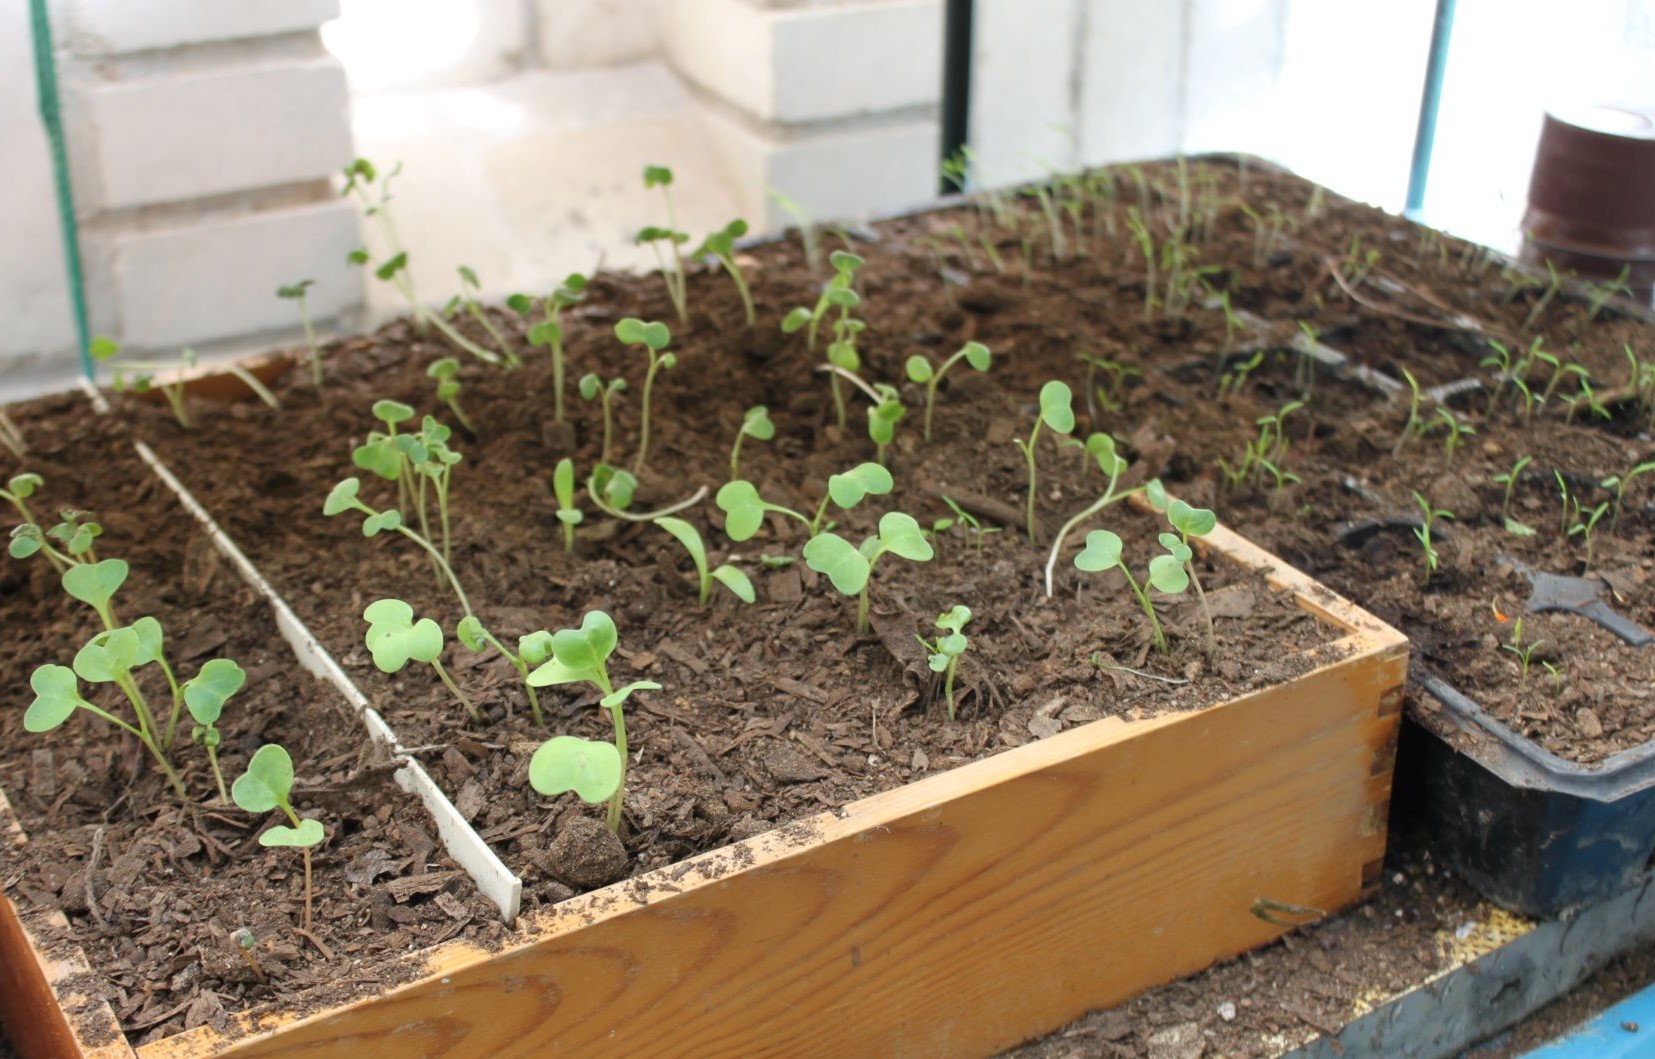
x,y
1423,533
1584,524
1100,448
1103,551
394,638
140,376
595,771
1620,483
728,576
944,653
1455,431
268,784
722,246
549,331
466,299
532,651
969,524
653,337
296,292
1510,479
30,537
1524,652
920,371
422,465
744,509
446,370
755,424
205,696
1057,414
593,388
1188,521
839,292
850,567
344,497
563,487
672,262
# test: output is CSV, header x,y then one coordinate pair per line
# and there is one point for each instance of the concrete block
x,y
1132,74
187,136
583,34
112,27
214,280
801,65
1024,58
835,174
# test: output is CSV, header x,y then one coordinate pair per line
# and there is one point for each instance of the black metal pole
x,y
956,80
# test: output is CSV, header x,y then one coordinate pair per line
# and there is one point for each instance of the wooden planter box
x,y
953,917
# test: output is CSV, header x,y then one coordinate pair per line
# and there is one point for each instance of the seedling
x,y
374,194
973,528
29,538
1101,449
1585,398
672,262
755,424
1415,426
850,567
1112,392
611,491
1145,243
549,332
809,238
1103,551
1620,483
95,584
838,292
920,371
744,509
1583,525
1552,286
722,245
1602,292
594,388
1191,522
108,658
1569,506
945,651
139,376
728,576
1523,651
446,371
1510,480
11,437
343,497
596,772
245,943
568,515
205,695
884,414
532,651
470,288
1234,381
394,639
1422,533
1057,414
296,292
1454,433
652,337
268,784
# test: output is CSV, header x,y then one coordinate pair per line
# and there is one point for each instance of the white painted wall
x,y
39,337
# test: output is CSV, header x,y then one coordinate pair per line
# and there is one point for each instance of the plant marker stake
x,y
51,116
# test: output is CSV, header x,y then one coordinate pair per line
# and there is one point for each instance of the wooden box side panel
x,y
951,918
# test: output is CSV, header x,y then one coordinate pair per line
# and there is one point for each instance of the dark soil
x,y
154,889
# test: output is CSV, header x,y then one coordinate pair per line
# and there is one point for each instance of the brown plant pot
x,y
1591,204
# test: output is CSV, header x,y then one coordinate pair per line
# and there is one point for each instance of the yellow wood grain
x,y
953,917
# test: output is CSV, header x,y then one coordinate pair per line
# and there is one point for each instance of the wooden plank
x,y
952,917
44,978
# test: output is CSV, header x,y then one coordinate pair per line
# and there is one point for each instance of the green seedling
x,y
1586,398
804,221
838,293
1620,483
141,376
1145,242
343,497
1585,522
1553,285
1422,533
1602,292
470,288
596,772
722,246
549,332
612,491
1111,394
1415,426
268,784
394,639
532,651
1101,449
446,371
1190,522
1523,651
12,438
850,567
1510,480
756,425
1568,505
653,337
29,538
884,414
1056,414
744,509
1304,367
1103,551
920,371
420,463
728,576
373,192
296,292
1454,433
973,527
108,658
1232,382
95,584
205,696
673,272
594,388
568,515
945,651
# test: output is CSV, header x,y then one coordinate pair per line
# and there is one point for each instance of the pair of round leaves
x,y
744,509
1166,572
394,637
265,786
952,645
848,566
342,498
920,371
634,332
95,583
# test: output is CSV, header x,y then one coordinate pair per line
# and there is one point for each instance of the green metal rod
x,y
51,115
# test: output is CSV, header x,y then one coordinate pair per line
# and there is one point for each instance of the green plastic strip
x,y
51,115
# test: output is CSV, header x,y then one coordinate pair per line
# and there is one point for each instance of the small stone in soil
x,y
1182,1041
1588,723
585,854
787,765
